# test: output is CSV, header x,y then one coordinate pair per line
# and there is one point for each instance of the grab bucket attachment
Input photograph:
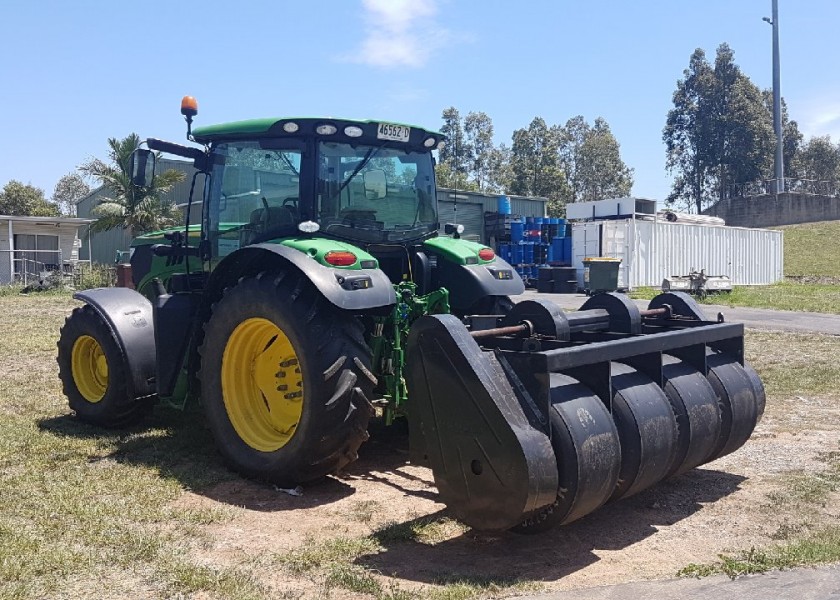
x,y
539,417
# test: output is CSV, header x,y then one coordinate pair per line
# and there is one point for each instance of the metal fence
x,y
791,185
31,266
26,267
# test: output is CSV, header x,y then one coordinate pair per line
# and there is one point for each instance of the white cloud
x,y
399,33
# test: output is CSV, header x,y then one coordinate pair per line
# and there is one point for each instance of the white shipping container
x,y
655,249
614,207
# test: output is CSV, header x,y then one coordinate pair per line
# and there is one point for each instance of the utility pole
x,y
777,102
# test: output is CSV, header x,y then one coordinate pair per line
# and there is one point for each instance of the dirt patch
x,y
728,505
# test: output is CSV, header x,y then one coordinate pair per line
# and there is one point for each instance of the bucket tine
x,y
588,454
695,405
758,391
646,427
737,397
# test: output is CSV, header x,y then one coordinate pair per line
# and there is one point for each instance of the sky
x,y
73,74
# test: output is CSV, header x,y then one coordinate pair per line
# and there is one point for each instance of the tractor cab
x,y
363,182
344,194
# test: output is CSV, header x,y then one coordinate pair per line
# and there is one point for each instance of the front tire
x,y
92,372
285,380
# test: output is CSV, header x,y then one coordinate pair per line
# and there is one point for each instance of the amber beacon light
x,y
189,106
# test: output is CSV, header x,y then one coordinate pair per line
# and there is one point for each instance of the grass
x,y
92,513
78,504
812,275
86,512
807,366
363,511
785,295
812,488
334,562
425,530
811,249
807,371
819,547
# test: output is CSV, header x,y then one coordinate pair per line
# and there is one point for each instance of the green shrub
x,y
94,275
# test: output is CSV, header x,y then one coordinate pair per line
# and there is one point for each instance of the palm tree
x,y
136,208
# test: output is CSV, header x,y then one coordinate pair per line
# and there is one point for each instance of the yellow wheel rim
x,y
262,386
90,368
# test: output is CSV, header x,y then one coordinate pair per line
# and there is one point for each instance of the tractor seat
x,y
261,222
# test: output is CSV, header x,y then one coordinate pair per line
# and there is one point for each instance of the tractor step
x,y
539,417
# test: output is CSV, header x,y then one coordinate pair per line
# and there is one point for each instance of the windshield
x,y
375,193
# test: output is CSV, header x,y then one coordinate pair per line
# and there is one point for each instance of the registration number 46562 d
x,y
396,133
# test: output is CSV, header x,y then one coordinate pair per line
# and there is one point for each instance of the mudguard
x,y
347,289
467,284
128,315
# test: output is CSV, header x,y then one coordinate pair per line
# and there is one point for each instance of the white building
x,y
32,246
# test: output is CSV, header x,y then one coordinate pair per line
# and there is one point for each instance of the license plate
x,y
395,133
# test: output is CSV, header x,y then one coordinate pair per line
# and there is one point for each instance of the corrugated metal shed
x,y
654,249
471,207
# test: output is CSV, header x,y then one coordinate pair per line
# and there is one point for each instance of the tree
x,y
819,160
469,160
592,162
138,209
792,137
748,142
447,177
687,134
536,169
498,167
18,199
68,191
719,131
478,137
456,152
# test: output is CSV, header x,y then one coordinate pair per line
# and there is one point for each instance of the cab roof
x,y
274,127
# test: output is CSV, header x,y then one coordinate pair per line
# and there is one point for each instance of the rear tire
x,y
285,380
92,372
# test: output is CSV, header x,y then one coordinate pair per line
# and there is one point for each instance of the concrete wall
x,y
770,211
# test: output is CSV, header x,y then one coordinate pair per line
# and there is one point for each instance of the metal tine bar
x,y
562,359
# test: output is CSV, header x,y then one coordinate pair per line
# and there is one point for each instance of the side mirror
x,y
453,229
142,167
375,184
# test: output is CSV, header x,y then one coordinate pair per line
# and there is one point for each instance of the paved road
x,y
822,583
757,318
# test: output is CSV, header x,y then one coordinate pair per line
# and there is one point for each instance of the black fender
x,y
347,289
128,315
468,284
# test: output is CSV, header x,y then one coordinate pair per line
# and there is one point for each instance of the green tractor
x,y
316,292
